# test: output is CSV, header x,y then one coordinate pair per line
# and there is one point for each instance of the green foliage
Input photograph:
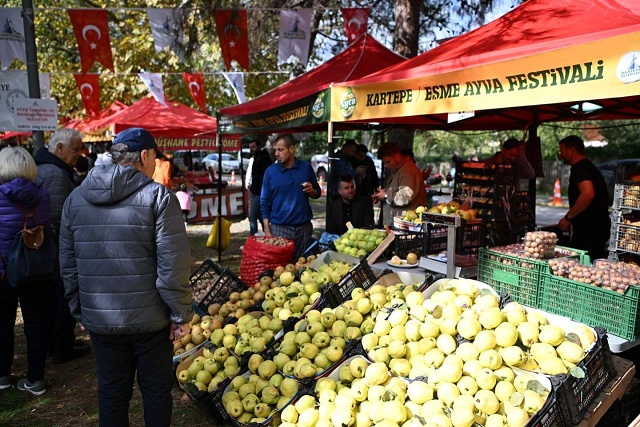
x,y
134,52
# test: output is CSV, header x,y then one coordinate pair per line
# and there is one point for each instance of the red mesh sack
x,y
261,253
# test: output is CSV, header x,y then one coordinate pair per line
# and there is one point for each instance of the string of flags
x,y
91,29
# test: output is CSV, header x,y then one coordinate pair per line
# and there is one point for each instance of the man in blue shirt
x,y
284,201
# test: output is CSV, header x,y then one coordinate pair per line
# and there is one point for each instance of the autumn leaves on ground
x,y
72,397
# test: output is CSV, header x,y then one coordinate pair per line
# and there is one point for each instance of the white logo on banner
x,y
628,69
166,27
14,85
295,35
11,36
236,80
154,83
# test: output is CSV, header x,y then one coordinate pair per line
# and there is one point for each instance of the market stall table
x,y
612,392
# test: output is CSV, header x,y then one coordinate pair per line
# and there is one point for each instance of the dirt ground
x,y
71,399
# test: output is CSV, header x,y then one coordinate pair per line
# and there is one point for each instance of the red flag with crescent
x,y
355,22
234,39
89,88
92,35
195,82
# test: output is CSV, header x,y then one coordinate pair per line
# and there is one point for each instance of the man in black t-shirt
x,y
588,216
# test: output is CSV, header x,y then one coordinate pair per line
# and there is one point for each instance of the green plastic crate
x,y
591,305
519,277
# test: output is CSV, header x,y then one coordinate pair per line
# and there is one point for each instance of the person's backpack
x,y
32,256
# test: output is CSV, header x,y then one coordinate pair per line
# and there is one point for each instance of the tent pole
x,y
330,164
219,227
534,142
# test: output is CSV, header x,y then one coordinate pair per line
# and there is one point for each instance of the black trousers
x,y
33,301
61,323
118,358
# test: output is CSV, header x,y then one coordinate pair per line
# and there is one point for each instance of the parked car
x,y
629,167
197,158
320,164
229,163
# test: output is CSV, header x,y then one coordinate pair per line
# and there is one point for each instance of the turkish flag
x,y
92,34
234,39
195,82
355,22
89,88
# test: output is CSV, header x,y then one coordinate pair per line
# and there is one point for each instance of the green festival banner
x,y
307,111
608,68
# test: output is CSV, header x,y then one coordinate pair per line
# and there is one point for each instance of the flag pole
x,y
32,63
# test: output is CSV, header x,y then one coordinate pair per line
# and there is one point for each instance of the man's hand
x,y
178,331
379,195
564,224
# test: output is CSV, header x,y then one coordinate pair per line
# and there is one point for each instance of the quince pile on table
x,y
455,208
359,241
417,373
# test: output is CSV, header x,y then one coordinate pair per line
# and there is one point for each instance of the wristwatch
x,y
567,217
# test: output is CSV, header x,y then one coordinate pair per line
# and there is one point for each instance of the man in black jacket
x,y
260,162
124,259
57,176
351,207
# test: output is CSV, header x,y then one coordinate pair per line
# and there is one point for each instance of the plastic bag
x,y
225,226
258,256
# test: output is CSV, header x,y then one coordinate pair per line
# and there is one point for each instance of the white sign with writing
x,y
36,114
14,85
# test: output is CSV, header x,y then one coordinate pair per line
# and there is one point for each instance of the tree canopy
x,y
133,47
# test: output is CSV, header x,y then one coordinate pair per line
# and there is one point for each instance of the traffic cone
x,y
233,177
557,194
323,191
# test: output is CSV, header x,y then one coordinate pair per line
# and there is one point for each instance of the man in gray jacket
x,y
56,175
124,259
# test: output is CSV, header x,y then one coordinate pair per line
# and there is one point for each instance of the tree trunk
x,y
405,42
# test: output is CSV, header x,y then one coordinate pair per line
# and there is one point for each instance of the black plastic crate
x,y
360,276
625,410
549,415
222,282
470,235
406,242
213,405
575,395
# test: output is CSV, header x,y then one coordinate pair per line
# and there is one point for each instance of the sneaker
x,y
5,382
37,388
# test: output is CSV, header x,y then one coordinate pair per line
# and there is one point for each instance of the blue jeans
x,y
254,213
118,359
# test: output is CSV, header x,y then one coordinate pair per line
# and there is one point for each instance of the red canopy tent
x,y
302,103
84,124
11,134
538,63
174,125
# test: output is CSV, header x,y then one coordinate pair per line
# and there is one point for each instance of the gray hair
x,y
120,155
64,136
16,162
